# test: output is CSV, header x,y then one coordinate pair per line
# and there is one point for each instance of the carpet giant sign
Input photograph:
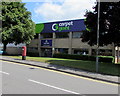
x,y
63,26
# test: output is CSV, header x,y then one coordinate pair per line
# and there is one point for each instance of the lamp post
x,y
39,44
97,50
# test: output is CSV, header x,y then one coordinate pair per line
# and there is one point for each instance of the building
x,y
63,37
13,49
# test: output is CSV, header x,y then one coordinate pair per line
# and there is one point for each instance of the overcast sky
x,y
58,10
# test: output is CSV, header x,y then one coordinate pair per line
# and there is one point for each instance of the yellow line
x,y
64,73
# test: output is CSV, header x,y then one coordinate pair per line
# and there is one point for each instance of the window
x,y
46,35
109,52
62,35
93,51
77,34
61,50
32,48
110,7
81,51
103,52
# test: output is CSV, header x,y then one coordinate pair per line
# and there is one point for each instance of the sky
x,y
58,10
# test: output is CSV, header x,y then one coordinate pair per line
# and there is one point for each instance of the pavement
x,y
78,72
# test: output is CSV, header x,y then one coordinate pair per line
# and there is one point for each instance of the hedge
x,y
32,54
83,57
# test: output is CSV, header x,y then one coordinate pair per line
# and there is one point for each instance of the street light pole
x,y
98,27
39,44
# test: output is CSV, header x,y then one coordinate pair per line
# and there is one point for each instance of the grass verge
x,y
104,68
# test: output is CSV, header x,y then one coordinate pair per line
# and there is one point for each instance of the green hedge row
x,y
32,54
83,57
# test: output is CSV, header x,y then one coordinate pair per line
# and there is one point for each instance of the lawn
x,y
105,68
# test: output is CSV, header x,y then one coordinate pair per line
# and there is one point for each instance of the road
x,y
23,79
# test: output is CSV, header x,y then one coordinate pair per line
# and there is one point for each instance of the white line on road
x,y
53,86
5,73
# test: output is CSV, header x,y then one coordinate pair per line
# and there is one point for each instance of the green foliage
x,y
83,57
0,19
39,28
109,24
33,54
17,26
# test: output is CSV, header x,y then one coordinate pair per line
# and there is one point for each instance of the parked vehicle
x,y
1,51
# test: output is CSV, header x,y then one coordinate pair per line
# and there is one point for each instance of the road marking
x,y
52,86
5,73
113,84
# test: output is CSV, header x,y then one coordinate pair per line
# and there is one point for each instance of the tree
x,y
109,24
17,26
0,20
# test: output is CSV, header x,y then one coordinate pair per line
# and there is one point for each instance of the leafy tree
x,y
109,24
17,26
0,19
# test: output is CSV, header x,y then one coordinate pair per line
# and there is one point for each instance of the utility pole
x,y
39,44
98,29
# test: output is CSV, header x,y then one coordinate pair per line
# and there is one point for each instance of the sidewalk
x,y
108,78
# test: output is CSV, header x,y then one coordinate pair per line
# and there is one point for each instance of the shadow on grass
x,y
89,66
72,65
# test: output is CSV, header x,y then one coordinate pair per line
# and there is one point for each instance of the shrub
x,y
83,57
32,54
106,59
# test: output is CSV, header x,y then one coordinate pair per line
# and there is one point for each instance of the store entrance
x,y
46,52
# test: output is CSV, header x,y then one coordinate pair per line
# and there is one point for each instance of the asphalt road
x,y
23,79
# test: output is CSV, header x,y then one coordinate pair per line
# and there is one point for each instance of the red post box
x,y
24,53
